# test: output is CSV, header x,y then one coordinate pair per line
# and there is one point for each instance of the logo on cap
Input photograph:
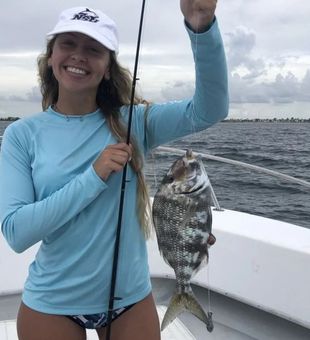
x,y
86,15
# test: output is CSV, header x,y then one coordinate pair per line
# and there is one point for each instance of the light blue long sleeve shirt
x,y
50,192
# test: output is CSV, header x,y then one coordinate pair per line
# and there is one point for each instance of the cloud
x,y
240,45
33,95
304,89
257,79
178,90
267,46
283,89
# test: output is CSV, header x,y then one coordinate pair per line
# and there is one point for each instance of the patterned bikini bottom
x,y
93,321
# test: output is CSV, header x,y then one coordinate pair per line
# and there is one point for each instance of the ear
x,y
49,62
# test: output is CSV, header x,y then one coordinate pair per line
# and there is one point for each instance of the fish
x,y
182,218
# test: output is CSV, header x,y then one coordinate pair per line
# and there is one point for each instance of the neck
x,y
75,106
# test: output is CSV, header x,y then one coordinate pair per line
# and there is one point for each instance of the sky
x,y
266,43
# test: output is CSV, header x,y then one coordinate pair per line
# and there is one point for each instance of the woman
x,y
60,176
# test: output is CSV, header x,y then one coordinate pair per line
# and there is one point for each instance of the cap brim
x,y
101,39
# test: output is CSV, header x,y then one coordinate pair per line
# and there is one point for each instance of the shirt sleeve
x,y
209,104
25,221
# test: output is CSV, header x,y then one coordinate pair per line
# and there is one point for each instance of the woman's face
x,y
79,63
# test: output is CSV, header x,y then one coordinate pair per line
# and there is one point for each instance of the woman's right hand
x,y
199,14
112,159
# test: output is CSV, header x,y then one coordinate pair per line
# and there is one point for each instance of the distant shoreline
x,y
9,119
232,120
267,120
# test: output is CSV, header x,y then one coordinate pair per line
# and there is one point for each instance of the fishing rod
x,y
112,297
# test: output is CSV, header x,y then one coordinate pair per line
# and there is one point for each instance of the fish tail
x,y
185,302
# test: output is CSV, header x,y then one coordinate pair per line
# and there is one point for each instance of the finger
x,y
128,149
121,146
119,158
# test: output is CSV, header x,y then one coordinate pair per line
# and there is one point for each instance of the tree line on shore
x,y
229,120
267,120
9,119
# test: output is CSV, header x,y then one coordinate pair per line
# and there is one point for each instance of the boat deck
x,y
232,319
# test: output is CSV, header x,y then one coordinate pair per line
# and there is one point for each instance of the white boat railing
x,y
256,168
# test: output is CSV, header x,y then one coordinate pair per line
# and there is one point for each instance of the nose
x,y
78,55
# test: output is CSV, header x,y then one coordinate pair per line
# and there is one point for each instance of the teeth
x,y
75,70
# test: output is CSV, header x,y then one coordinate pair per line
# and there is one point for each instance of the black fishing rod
x,y
122,195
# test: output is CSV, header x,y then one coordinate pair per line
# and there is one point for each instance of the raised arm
x,y
209,104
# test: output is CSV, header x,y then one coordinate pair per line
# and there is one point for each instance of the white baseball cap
x,y
91,22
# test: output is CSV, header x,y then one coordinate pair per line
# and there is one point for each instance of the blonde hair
x,y
112,94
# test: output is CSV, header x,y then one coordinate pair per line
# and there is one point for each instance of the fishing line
x,y
210,325
195,63
155,168
112,297
209,313
208,285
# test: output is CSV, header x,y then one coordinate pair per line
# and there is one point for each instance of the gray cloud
x,y
178,90
240,46
265,42
304,89
32,95
248,73
26,23
283,89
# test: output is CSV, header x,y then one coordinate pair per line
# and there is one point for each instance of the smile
x,y
76,70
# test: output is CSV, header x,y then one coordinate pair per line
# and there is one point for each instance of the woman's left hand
x,y
199,14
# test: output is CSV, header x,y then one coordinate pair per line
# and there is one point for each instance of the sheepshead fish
x,y
182,219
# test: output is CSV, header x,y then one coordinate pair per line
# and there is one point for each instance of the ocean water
x,y
283,147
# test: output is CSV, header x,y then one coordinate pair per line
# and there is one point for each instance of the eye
x,y
93,49
96,48
169,179
66,43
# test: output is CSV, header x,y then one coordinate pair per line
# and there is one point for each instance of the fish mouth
x,y
193,191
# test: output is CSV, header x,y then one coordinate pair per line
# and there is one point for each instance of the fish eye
x,y
169,179
194,166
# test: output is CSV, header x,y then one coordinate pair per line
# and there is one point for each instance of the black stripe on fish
x,y
193,191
